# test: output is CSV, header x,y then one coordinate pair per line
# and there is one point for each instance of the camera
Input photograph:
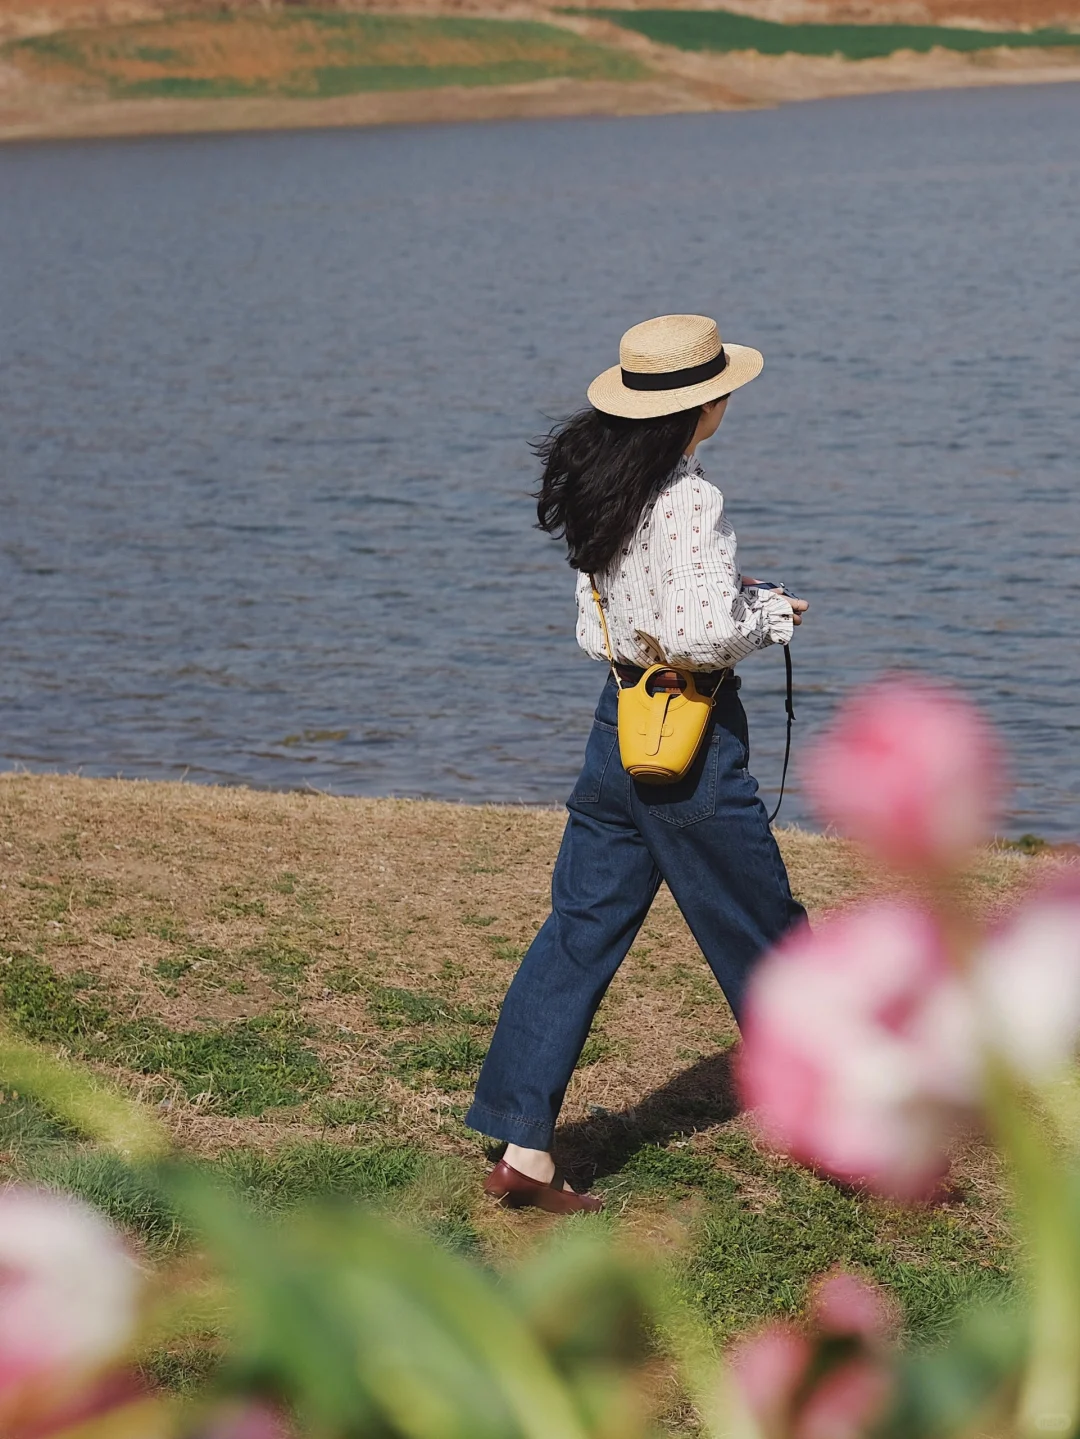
x,y
762,585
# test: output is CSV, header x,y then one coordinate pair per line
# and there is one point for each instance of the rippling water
x,y
264,489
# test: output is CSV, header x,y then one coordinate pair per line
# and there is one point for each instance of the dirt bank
x,y
691,82
89,82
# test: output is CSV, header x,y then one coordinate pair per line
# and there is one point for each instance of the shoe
x,y
511,1187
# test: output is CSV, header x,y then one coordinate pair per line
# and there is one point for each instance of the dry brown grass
x,y
194,905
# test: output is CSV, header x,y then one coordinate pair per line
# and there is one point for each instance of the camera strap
x,y
789,705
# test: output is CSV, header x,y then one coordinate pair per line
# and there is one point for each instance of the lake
x,y
265,478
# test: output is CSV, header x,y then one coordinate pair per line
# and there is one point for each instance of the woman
x,y
623,487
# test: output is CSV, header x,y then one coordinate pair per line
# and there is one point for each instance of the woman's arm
x,y
706,620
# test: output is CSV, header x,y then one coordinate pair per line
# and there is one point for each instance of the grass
x,y
307,986
293,1173
310,55
243,1067
392,1007
453,1060
725,30
755,1260
37,1150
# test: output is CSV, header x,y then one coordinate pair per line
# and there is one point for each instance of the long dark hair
x,y
600,471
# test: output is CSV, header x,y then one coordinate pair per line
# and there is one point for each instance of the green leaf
x,y
362,1325
82,1098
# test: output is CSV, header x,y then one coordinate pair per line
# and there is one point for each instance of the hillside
x,y
101,67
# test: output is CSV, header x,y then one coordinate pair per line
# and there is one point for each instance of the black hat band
x,y
676,379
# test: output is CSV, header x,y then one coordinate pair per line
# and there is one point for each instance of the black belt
x,y
706,682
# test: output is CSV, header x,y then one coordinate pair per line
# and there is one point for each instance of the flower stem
x,y
1049,1396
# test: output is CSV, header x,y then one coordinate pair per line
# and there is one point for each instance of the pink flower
x,y
911,770
1026,981
845,1403
768,1367
804,1385
842,1303
118,1395
859,1049
67,1299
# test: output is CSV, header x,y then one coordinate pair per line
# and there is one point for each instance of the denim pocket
x,y
691,798
598,752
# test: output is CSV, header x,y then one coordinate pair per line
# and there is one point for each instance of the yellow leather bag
x,y
660,729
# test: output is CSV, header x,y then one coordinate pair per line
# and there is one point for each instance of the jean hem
x,y
512,1128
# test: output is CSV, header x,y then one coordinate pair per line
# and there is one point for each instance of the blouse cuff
x,y
779,624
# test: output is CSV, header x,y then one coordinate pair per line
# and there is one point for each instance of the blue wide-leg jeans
x,y
707,835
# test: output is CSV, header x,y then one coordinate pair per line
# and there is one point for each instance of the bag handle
x,y
607,637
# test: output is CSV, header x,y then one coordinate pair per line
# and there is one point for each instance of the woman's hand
x,y
798,607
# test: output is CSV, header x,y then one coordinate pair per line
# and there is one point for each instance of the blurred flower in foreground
x,y
859,1051
865,1043
831,1381
1026,980
68,1294
912,771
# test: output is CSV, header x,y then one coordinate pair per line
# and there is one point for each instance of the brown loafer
x,y
510,1186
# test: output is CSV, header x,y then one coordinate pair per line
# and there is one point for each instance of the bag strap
x,y
607,637
789,705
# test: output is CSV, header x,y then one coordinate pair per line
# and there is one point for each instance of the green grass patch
x,y
452,1060
759,1249
595,1048
173,967
138,1198
672,1174
132,1198
235,903
26,1128
1027,844
724,30
505,949
246,1066
316,1169
284,963
347,1112
343,980
56,1008
182,87
393,1007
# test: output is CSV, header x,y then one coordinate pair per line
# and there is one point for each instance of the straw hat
x,y
672,363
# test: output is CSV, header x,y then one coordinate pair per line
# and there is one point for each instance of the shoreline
x,y
1028,844
690,83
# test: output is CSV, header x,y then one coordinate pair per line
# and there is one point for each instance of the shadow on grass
x,y
700,1097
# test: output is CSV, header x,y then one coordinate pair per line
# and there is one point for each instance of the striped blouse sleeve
x,y
706,621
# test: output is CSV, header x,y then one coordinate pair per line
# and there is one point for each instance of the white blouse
x,y
674,593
